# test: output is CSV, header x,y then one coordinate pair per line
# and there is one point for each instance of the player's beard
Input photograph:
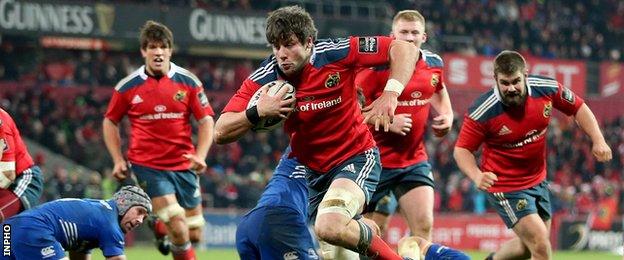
x,y
514,99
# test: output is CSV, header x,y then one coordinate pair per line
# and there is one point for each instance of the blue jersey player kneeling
x,y
77,226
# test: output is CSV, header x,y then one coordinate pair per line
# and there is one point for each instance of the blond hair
x,y
409,15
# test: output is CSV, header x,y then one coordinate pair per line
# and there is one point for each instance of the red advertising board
x,y
611,78
460,231
476,72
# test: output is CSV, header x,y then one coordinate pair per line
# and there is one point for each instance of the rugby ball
x,y
270,123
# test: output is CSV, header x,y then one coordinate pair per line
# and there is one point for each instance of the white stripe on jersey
x,y
185,72
431,54
70,230
263,71
487,104
535,82
321,45
331,46
127,79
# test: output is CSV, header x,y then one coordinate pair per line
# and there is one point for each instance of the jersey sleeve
x,y
117,107
439,85
200,107
471,134
238,102
566,101
370,81
111,242
7,135
369,51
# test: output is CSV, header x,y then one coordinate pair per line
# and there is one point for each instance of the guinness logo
x,y
521,204
106,18
332,80
180,95
547,109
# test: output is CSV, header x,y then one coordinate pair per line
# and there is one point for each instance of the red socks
x,y
381,250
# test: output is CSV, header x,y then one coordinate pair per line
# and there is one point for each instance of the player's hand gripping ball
x,y
270,123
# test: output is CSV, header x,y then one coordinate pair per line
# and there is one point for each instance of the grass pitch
x,y
150,253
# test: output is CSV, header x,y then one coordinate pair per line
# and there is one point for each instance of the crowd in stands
x,y
71,124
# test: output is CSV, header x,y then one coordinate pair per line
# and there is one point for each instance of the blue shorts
x,y
363,169
156,183
28,186
384,199
31,241
274,233
512,206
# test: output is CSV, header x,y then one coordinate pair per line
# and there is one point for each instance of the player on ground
x,y
277,226
78,226
512,120
21,182
159,99
326,130
406,173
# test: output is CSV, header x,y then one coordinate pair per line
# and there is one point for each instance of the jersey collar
x,y
172,70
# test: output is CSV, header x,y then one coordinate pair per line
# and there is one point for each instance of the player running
x,y
327,134
512,120
159,99
406,174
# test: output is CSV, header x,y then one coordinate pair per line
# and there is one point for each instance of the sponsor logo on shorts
x,y
292,255
47,252
521,204
6,240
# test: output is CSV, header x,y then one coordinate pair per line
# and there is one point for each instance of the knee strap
x,y
338,200
170,211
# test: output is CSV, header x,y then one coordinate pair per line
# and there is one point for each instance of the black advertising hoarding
x,y
191,27
578,235
74,19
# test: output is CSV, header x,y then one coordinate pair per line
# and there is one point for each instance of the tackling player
x,y
326,130
21,181
512,120
277,226
78,226
406,173
159,99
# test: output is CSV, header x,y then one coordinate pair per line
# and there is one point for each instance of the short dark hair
x,y
287,21
509,62
153,31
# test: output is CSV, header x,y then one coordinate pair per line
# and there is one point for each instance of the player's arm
x,y
233,125
587,121
205,135
471,135
441,102
117,108
403,56
7,157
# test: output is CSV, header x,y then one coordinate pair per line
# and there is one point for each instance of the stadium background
x,y
59,61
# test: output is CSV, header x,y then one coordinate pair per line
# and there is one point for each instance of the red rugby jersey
x,y
15,150
401,151
326,129
159,111
514,138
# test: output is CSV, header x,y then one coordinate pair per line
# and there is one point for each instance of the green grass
x,y
227,254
